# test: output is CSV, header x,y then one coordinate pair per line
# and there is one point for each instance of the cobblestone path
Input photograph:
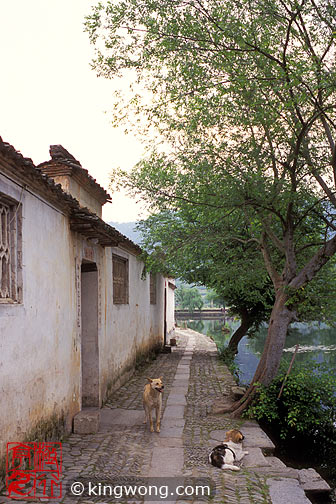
x,y
124,447
209,380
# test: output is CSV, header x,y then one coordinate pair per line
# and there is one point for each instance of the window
x,y
120,280
152,288
10,250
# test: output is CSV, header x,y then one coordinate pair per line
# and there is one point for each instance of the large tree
x,y
243,95
199,250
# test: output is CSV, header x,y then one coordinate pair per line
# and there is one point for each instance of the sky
x,y
50,95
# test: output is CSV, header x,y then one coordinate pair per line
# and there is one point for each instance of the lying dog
x,y
152,398
230,451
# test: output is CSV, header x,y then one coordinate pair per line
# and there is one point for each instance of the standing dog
x,y
152,398
230,451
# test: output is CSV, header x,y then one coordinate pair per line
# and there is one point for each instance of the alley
x,y
124,450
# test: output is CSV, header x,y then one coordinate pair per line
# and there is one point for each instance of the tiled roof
x,y
58,152
82,220
60,157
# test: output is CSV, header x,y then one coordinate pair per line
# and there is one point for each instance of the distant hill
x,y
128,229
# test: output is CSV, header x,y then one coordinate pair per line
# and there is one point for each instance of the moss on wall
x,y
141,358
47,429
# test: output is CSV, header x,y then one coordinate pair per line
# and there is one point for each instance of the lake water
x,y
315,340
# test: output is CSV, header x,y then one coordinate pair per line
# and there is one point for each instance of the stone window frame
x,y
120,275
10,250
152,288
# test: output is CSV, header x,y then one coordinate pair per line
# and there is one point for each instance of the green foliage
x,y
240,96
214,299
307,404
198,250
236,99
317,299
188,298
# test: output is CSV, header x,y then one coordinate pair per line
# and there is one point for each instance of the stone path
x,y
124,451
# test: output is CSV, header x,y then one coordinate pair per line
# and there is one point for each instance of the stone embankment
x,y
119,446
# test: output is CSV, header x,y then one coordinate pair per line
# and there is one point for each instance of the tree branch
x,y
319,259
275,277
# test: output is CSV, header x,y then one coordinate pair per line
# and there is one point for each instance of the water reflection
x,y
215,329
315,340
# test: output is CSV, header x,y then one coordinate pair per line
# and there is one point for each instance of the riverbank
x,y
316,345
281,482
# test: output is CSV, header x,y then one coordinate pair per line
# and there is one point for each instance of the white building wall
x,y
77,191
170,307
131,329
39,357
40,339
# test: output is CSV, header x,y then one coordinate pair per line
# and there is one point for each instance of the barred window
x,y
10,250
152,288
120,280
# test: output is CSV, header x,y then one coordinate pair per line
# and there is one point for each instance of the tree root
x,y
236,409
237,412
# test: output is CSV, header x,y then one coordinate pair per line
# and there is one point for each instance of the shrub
x,y
307,406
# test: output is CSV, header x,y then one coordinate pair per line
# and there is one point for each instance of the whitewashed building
x,y
76,311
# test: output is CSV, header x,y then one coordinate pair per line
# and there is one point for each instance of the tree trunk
x,y
268,366
246,323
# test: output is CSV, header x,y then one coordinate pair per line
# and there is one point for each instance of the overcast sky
x,y
49,94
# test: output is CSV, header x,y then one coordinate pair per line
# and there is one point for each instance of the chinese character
x,y
34,470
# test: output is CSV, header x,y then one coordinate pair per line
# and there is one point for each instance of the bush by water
x,y
303,419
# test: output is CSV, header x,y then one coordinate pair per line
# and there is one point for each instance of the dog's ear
x,y
150,379
160,378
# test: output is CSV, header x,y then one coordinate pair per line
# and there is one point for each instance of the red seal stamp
x,y
34,470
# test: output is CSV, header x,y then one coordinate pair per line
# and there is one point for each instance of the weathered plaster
x,y
41,355
170,307
39,364
85,199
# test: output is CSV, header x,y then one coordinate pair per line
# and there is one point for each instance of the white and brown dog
x,y
152,398
229,452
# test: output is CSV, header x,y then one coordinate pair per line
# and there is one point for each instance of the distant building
x,y
76,311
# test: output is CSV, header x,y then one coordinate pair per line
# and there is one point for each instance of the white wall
x,y
130,329
39,355
76,190
170,282
40,339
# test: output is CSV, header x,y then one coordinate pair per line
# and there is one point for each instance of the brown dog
x,y
152,398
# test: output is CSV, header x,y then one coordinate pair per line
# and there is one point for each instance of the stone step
x,y
86,421
238,392
312,482
286,491
255,458
255,437
112,419
275,463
